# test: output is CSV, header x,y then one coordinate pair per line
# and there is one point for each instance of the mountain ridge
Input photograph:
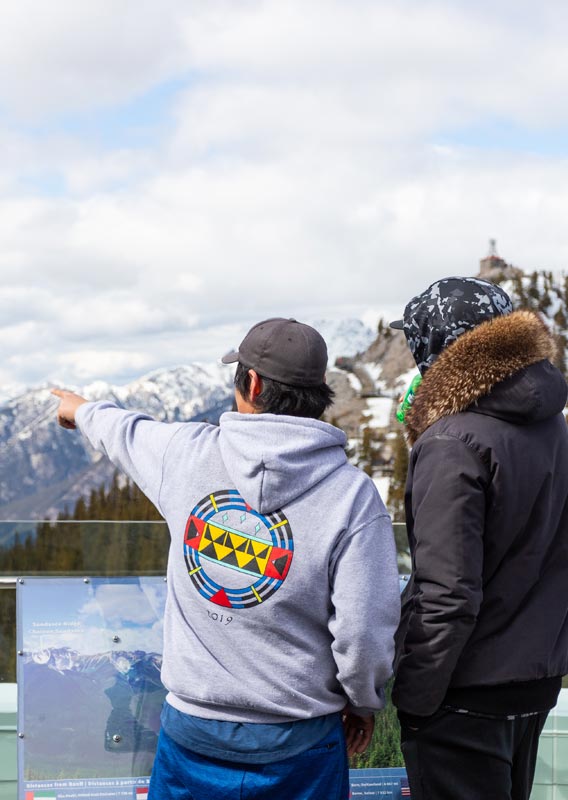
x,y
45,469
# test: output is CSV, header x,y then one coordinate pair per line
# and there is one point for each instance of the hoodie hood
x,y
500,368
274,459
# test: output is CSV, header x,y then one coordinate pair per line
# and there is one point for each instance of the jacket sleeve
x,y
448,508
366,600
135,443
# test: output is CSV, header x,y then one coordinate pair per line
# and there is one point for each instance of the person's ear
x,y
255,387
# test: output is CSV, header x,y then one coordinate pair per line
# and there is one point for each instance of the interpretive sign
x,y
90,695
386,784
89,689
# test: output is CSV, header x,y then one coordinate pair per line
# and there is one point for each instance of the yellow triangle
x,y
216,532
262,562
258,548
243,558
222,551
236,540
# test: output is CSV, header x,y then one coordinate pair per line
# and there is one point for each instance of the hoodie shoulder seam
x,y
382,515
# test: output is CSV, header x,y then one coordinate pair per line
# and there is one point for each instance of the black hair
x,y
279,398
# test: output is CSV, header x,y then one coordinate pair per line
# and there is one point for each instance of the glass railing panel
x,y
403,553
544,773
88,548
543,793
72,547
89,658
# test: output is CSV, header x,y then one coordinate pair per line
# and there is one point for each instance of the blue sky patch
x,y
139,122
503,134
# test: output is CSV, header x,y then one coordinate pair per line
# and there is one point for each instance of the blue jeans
x,y
319,773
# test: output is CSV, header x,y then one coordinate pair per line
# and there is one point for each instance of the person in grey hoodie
x,y
283,593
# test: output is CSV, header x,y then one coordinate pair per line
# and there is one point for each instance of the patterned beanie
x,y
449,307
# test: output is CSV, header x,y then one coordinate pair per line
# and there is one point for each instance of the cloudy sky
x,y
85,617
173,171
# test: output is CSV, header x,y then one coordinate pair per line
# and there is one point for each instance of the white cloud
x,y
311,166
64,56
121,603
87,365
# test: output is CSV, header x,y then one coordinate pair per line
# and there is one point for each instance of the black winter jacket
x,y
487,518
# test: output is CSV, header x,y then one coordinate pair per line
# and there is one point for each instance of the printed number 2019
x,y
219,617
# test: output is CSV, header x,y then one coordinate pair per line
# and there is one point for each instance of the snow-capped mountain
x,y
9,391
137,667
121,695
347,337
192,392
44,468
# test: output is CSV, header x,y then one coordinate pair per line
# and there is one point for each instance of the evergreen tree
x,y
85,542
544,301
560,318
395,500
518,292
366,452
532,292
561,347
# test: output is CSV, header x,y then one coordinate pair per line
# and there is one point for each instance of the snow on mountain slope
x,y
40,463
43,467
346,337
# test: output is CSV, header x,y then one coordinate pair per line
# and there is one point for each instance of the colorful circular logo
x,y
235,556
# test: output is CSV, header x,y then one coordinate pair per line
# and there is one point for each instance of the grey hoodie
x,y
283,591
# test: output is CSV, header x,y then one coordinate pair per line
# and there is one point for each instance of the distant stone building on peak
x,y
493,267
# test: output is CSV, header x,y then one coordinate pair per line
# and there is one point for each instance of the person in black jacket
x,y
483,640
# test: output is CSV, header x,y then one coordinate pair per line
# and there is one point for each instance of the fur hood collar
x,y
478,360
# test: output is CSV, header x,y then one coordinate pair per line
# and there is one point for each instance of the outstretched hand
x,y
69,404
358,732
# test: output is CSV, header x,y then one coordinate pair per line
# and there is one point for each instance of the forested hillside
x,y
75,545
547,294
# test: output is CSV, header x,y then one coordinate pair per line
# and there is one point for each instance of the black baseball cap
x,y
284,350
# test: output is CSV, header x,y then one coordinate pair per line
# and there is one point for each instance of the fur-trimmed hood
x,y
470,368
